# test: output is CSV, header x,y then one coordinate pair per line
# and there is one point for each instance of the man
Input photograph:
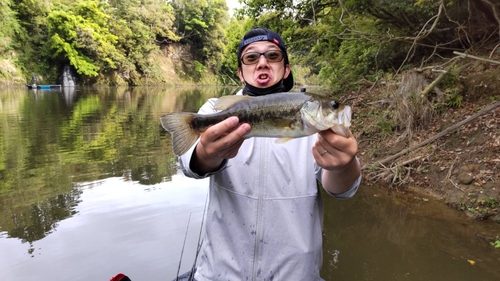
x,y
264,216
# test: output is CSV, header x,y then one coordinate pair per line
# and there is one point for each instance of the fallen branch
x,y
442,133
378,101
493,51
464,55
434,83
450,170
391,174
456,186
411,160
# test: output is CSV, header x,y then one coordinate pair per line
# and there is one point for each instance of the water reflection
x,y
89,187
69,94
33,222
118,226
54,140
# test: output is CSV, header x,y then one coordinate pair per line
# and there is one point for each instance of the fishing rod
x,y
182,251
191,275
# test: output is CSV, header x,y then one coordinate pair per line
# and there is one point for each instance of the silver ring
x,y
324,152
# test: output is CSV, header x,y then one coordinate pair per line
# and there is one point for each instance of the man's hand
x,y
333,151
336,154
220,141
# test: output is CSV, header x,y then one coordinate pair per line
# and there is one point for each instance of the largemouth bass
x,y
279,115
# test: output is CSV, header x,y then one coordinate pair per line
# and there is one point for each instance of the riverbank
x,y
460,168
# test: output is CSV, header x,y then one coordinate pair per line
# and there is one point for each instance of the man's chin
x,y
263,85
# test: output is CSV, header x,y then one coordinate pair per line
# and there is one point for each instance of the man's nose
x,y
262,62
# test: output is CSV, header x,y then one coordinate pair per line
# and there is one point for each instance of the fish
x,y
284,116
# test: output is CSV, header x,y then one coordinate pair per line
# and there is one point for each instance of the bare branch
x,y
422,34
493,51
463,55
441,134
495,14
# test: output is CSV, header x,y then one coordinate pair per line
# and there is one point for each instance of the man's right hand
x,y
220,141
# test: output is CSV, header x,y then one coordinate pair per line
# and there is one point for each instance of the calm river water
x,y
89,188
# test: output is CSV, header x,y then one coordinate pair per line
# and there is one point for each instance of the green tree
x,y
201,25
141,27
113,39
216,17
79,35
9,27
32,38
229,63
347,41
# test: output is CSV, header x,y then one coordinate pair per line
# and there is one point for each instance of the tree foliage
x,y
95,37
346,41
102,38
201,25
340,41
32,36
10,26
141,26
116,38
233,33
79,34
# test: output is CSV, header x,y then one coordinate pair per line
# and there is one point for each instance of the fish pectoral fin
x,y
225,102
283,140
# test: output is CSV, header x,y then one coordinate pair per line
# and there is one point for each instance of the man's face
x,y
262,74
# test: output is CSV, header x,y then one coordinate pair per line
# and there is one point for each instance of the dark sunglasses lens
x,y
250,58
273,56
253,58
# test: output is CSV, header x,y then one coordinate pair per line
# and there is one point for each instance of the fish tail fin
x,y
179,126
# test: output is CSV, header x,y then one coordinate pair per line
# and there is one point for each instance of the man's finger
x,y
220,129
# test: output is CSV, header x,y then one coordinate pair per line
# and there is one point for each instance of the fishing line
x,y
182,251
191,275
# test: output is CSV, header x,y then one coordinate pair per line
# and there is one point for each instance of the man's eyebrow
x,y
271,46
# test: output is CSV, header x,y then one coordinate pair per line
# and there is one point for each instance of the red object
x,y
120,277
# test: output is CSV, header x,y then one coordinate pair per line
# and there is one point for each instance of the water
x,y
383,235
89,188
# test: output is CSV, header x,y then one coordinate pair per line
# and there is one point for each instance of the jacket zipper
x,y
258,231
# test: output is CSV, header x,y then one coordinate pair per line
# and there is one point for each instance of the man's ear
x,y
287,71
240,74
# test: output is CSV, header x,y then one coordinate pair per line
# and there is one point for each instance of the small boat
x,y
34,86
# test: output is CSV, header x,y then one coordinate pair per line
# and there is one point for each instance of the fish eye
x,y
334,104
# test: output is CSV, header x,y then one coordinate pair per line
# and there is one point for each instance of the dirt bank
x,y
460,168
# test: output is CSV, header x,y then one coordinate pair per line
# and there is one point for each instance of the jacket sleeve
x,y
185,159
346,194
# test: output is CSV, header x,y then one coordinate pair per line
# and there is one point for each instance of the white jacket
x,y
265,213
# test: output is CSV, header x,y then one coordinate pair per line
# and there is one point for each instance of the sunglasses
x,y
254,57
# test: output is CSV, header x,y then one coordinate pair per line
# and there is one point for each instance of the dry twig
x,y
441,134
421,34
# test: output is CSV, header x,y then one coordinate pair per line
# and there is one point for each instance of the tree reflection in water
x,y
52,142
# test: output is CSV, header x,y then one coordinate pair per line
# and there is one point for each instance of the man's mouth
x,y
263,78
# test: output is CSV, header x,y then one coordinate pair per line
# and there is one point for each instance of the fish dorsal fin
x,y
225,102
